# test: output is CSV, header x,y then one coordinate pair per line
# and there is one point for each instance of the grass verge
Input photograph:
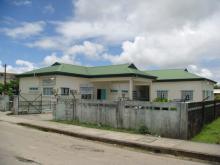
x,y
210,133
141,130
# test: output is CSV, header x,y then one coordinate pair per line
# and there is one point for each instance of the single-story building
x,y
116,82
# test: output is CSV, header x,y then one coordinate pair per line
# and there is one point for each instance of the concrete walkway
x,y
210,152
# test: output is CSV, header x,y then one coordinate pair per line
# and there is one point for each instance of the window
x,y
49,81
86,91
162,94
86,96
187,95
47,91
207,95
33,88
124,91
65,91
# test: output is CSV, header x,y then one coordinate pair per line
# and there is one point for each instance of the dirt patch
x,y
21,159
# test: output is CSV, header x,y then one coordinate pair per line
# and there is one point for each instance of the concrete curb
x,y
147,147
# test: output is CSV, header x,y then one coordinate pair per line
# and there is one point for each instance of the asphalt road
x,y
23,146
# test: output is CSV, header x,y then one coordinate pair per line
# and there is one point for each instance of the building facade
x,y
113,82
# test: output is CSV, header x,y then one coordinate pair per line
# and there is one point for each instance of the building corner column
x,y
131,85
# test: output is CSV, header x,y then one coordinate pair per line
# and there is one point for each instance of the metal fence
x,y
200,113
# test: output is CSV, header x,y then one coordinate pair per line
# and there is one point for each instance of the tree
x,y
10,88
217,86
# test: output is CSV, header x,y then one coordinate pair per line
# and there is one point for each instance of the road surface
x,y
25,146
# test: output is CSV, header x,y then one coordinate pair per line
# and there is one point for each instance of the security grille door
x,y
103,94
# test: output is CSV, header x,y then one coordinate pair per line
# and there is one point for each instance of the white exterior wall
x,y
26,82
174,89
119,86
60,81
70,82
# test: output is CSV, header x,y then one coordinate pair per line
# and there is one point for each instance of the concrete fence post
x,y
183,120
119,111
15,108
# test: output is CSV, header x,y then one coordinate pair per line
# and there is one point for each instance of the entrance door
x,y
143,93
101,94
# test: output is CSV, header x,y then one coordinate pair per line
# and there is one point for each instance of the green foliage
x,y
217,86
161,100
217,97
10,88
173,108
210,133
143,130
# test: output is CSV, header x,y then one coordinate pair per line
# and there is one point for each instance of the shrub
x,y
217,97
143,130
161,100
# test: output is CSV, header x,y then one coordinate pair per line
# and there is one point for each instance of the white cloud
x,y
88,49
27,29
110,31
22,2
50,59
162,33
203,72
49,9
46,43
179,47
126,19
21,66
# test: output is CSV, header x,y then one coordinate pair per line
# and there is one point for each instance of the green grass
x,y
210,133
141,130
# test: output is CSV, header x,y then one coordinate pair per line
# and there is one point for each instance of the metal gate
x,y
30,103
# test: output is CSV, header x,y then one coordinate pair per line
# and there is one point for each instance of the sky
x,y
152,34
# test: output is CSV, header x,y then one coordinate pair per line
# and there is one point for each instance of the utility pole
x,y
5,66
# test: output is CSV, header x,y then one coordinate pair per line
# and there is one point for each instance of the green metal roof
x,y
90,72
175,75
114,71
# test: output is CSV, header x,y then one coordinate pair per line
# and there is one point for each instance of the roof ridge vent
x,y
132,66
56,63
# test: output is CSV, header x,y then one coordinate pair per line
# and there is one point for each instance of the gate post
x,y
15,105
214,113
203,112
41,100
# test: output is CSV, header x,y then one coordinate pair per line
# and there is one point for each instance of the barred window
x,y
65,91
162,94
47,91
86,96
33,88
207,94
187,95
